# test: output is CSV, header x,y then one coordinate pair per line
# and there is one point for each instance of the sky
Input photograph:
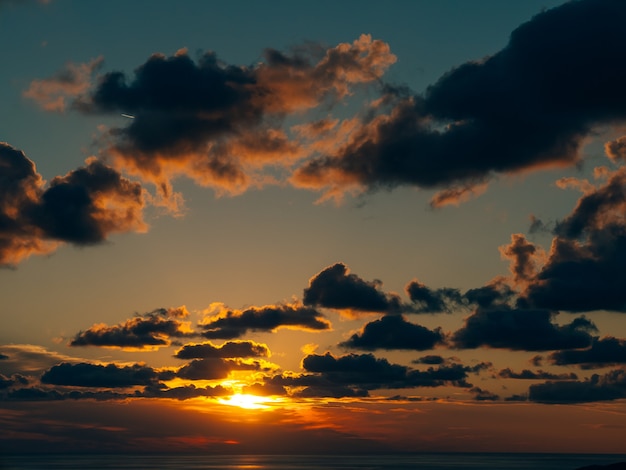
x,y
283,227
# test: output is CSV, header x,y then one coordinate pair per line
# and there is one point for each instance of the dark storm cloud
x,y
228,324
82,207
429,300
539,375
152,329
336,287
394,332
603,352
584,270
519,329
528,106
95,375
610,386
226,350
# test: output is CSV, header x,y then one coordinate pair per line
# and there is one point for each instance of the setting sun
x,y
249,402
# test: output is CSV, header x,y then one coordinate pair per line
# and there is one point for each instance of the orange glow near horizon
x,y
248,402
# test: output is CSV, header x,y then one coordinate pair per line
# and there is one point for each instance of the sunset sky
x,y
313,227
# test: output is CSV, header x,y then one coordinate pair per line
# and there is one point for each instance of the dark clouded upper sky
x,y
270,227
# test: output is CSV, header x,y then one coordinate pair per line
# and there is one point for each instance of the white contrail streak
x,y
129,116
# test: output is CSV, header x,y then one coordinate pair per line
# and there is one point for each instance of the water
x,y
308,462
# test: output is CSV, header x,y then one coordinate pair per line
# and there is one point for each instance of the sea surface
x,y
309,462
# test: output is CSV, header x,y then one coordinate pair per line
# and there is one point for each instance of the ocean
x,y
309,462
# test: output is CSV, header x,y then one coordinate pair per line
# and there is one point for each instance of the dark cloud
x,y
496,294
528,330
205,369
336,287
430,359
150,330
432,300
226,350
83,207
611,386
539,375
95,375
212,121
584,270
528,106
603,352
15,379
483,395
394,332
366,372
228,324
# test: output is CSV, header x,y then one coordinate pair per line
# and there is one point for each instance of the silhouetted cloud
x,y
228,324
483,395
335,287
83,207
603,352
430,359
213,122
610,386
227,350
539,375
429,300
205,369
394,332
584,269
366,372
95,375
149,330
528,106
528,330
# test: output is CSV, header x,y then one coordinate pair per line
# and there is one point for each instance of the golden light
x,y
244,400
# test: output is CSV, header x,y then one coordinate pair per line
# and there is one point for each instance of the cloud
x,y
610,386
225,323
53,93
95,375
210,121
366,372
227,350
583,271
429,300
519,329
525,257
211,368
529,106
29,359
394,332
335,287
149,330
483,395
539,375
82,207
607,351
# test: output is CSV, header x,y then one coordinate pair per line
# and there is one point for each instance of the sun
x,y
244,400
